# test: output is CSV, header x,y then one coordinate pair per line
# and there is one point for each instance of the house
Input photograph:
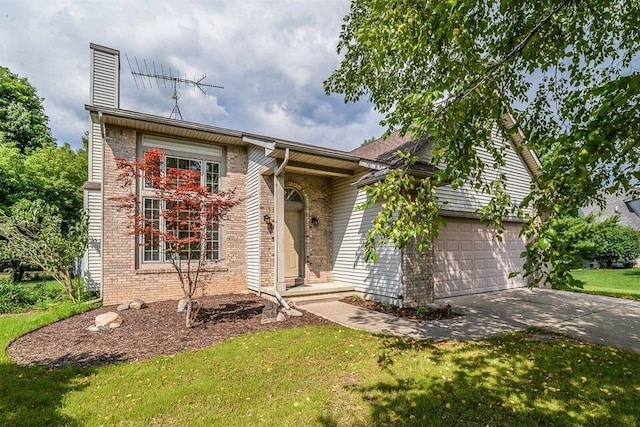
x,y
297,229
625,206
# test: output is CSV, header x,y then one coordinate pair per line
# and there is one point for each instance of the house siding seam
x,y
379,280
316,192
122,280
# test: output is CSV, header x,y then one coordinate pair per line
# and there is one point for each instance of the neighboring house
x,y
626,207
298,229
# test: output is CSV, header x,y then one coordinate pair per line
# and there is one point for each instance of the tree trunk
x,y
18,271
68,284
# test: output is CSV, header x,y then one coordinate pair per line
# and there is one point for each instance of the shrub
x,y
617,245
24,296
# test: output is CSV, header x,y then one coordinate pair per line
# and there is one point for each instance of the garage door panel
x,y
467,258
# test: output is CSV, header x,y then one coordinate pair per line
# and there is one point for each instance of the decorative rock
x,y
292,312
182,305
269,313
109,319
281,317
123,307
137,304
97,328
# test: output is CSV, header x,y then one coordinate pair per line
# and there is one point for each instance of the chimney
x,y
105,77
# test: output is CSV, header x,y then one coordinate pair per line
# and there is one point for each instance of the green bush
x,y
617,245
24,296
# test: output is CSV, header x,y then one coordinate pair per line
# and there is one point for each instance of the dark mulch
x,y
156,329
423,313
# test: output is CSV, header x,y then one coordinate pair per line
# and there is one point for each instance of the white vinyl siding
x,y
106,79
95,153
256,162
93,260
468,200
350,226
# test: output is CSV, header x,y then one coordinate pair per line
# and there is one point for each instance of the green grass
x,y
617,283
332,376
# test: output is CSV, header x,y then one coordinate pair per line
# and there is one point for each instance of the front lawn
x,y
617,283
330,376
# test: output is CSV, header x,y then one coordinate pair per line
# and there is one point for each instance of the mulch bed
x,y
423,313
154,330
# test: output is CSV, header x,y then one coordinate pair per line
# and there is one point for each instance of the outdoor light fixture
x,y
314,221
267,218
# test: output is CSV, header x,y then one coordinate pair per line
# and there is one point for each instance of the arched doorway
x,y
294,234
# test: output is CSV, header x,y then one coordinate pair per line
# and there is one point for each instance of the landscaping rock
x,y
137,304
269,313
123,307
182,305
109,319
281,317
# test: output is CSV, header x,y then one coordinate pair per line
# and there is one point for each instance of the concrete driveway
x,y
602,320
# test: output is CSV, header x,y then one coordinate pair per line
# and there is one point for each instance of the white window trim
x,y
162,248
187,150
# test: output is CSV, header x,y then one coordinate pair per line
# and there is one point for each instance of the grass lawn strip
x,y
328,375
622,283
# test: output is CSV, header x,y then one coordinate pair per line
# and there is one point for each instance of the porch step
x,y
301,300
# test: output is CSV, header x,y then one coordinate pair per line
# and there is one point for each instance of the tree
x,y
52,174
35,234
190,214
22,118
56,175
451,69
11,175
616,245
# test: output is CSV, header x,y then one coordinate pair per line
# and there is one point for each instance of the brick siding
x,y
122,278
417,275
316,192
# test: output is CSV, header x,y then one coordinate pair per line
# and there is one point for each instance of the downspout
x,y
280,168
278,171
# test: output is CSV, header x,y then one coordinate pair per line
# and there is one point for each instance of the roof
x,y
384,149
617,204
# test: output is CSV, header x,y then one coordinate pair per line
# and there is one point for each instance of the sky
x,y
271,57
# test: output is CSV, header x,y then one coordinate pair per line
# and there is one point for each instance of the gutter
x,y
278,171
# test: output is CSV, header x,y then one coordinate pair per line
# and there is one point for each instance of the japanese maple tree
x,y
189,215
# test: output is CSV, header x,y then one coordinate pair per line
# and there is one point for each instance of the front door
x,y
292,243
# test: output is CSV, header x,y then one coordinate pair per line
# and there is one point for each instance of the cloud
x,y
271,57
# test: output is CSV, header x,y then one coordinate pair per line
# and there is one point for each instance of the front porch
x,y
311,292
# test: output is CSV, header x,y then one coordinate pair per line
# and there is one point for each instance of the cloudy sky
x,y
271,56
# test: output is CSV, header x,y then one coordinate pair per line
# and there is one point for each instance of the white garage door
x,y
468,259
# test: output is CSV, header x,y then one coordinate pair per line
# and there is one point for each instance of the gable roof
x,y
384,150
617,204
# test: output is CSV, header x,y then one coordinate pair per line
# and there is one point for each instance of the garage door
x,y
468,259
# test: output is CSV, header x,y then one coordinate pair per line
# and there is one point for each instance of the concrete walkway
x,y
603,320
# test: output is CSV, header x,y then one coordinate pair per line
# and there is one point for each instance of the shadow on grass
x,y
634,272
33,396
529,378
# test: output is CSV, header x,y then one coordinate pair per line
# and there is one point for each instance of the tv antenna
x,y
148,74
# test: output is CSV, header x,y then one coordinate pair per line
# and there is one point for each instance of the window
x,y
156,248
151,241
209,176
183,225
